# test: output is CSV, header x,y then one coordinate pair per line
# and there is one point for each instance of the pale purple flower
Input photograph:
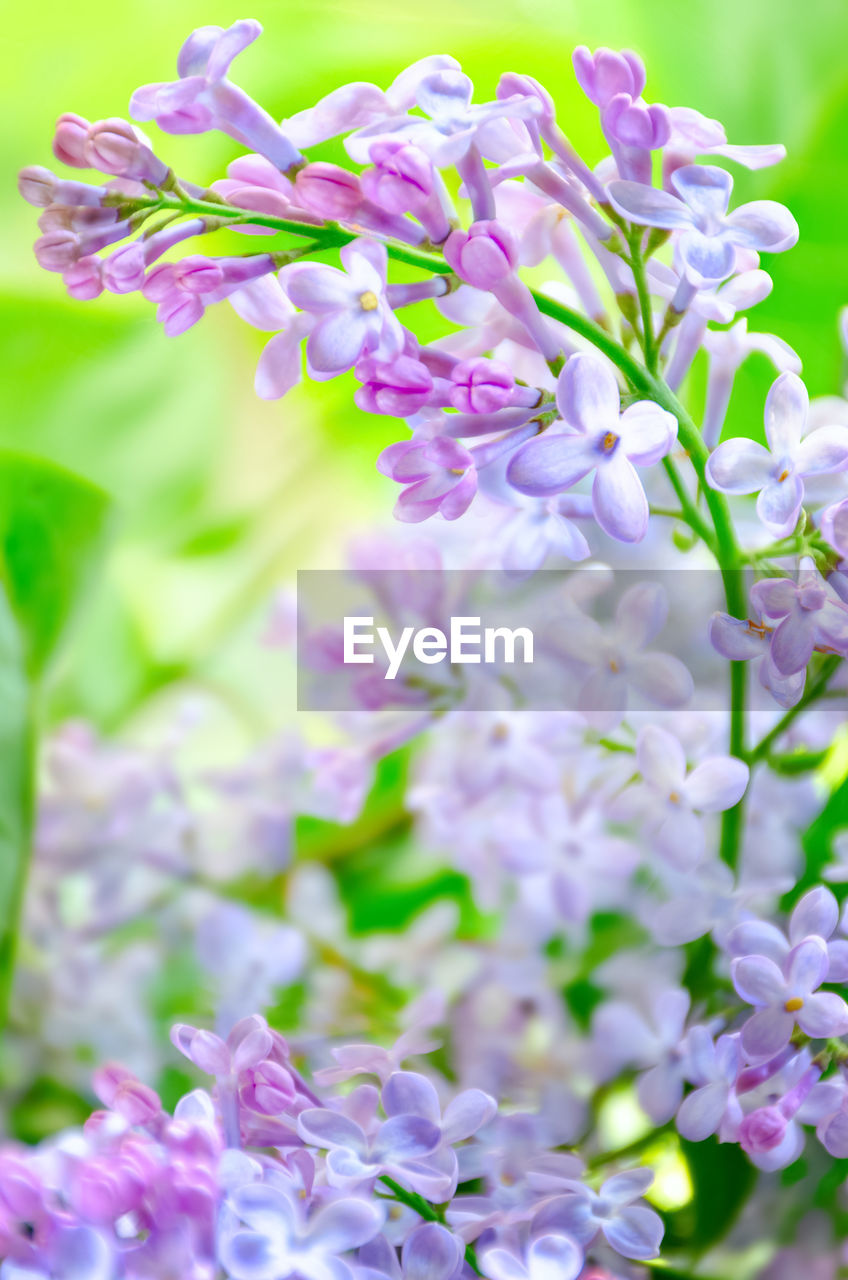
x,y
430,1252
716,784
693,135
778,472
633,1230
728,349
439,475
453,122
713,1067
655,1043
743,640
710,235
619,659
834,526
784,996
816,914
808,615
352,312
598,438
542,527
203,98
352,106
279,1241
550,1256
765,1129
397,1147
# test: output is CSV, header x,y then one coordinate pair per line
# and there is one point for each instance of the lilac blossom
x,y
352,312
597,438
430,1252
711,236
807,614
619,659
204,98
679,798
786,995
552,1256
816,914
746,639
276,1240
778,472
397,1147
632,1229
712,1106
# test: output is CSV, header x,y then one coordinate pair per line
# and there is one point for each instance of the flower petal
x,y
636,1232
787,406
717,783
648,206
619,501
587,394
739,466
763,225
549,464
758,980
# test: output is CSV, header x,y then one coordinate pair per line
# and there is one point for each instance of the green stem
x,y
431,1213
637,266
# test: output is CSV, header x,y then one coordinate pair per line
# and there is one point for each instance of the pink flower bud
x,y
198,274
114,146
268,1089
329,191
37,184
123,270
481,386
84,280
484,255
69,140
762,1130
57,250
399,389
402,178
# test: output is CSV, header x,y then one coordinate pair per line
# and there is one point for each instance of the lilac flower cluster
x,y
554,413
263,1177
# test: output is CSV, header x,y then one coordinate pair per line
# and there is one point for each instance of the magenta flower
x,y
599,439
203,98
784,996
778,472
353,316
810,617
710,235
439,475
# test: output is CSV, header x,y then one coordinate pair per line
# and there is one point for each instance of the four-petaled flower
x,y
599,438
778,472
784,996
711,236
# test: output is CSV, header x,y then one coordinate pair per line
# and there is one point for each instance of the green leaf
x,y
722,1178
52,530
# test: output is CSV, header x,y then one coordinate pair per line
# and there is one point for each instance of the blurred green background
x,y
221,496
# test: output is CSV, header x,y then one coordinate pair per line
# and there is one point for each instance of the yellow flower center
x,y
783,475
609,442
368,300
793,1005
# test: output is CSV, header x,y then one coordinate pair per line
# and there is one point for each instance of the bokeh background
x,y
221,496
